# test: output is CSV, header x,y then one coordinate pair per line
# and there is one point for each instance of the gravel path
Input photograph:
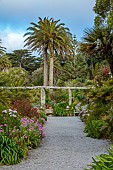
x,y
66,147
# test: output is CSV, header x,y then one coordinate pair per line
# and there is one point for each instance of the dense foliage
x,y
66,63
104,161
18,134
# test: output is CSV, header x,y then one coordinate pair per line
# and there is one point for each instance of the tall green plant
x,y
10,152
100,108
103,162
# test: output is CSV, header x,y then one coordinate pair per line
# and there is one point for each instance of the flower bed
x,y
17,135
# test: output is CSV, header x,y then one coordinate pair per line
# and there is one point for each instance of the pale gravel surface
x,y
66,147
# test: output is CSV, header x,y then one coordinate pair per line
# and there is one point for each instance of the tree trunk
x,y
110,61
51,71
111,68
45,69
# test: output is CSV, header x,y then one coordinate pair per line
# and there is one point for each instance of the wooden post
x,y
43,96
70,96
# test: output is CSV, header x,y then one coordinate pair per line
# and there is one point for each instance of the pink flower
x,y
36,123
13,130
5,124
31,121
44,135
23,119
40,128
1,130
31,128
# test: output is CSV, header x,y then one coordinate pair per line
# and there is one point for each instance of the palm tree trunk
x,y
111,68
51,71
110,61
45,69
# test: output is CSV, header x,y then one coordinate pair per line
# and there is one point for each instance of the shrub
x,y
10,152
60,109
103,162
25,108
93,128
13,77
42,115
32,132
100,108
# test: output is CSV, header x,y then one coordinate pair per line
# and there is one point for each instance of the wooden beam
x,y
70,96
47,87
43,96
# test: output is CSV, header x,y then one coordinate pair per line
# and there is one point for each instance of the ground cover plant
x,y
17,135
103,161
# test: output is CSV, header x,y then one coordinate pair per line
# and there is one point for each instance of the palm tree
x,y
2,49
49,37
97,45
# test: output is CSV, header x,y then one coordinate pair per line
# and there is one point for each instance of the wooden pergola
x,y
43,94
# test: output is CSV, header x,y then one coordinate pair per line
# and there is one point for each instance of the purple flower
x,y
31,121
78,105
44,135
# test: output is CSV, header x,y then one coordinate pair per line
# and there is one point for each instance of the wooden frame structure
x,y
43,94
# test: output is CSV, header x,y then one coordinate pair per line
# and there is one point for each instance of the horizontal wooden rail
x,y
46,87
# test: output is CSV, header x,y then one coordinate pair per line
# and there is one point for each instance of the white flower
x,y
4,111
10,113
14,115
14,111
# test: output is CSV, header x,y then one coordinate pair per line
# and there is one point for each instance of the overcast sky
x,y
16,15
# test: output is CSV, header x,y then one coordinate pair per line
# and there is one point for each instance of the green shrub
x,y
42,115
60,109
101,108
10,152
103,162
93,128
11,78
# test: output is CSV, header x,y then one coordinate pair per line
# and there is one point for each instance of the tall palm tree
x,y
35,42
2,49
49,37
